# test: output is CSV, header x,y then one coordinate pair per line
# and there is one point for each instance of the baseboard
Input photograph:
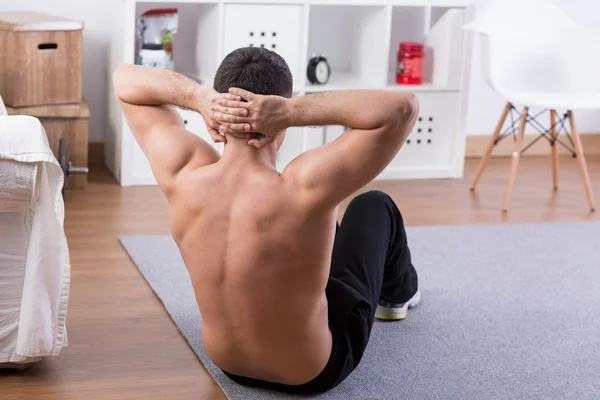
x,y
96,156
477,144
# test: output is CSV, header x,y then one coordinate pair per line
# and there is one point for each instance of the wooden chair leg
x,y
516,156
581,161
554,149
490,146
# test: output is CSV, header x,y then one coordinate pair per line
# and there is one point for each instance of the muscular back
x,y
258,244
258,258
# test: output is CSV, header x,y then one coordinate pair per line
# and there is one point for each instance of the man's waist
x,y
267,357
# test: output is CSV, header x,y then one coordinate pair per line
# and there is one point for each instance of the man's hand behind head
x,y
207,100
267,115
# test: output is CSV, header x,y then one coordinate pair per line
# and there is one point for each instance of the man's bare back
x,y
258,243
258,259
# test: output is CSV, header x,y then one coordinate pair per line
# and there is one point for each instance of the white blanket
x,y
34,257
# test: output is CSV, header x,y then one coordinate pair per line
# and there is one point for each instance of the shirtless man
x,y
287,298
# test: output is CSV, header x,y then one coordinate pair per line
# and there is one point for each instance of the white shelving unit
x,y
360,39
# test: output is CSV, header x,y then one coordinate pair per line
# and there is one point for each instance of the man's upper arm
x,y
169,147
329,174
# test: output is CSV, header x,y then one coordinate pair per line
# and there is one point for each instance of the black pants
x,y
371,261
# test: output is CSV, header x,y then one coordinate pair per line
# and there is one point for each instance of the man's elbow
x,y
403,113
407,108
120,81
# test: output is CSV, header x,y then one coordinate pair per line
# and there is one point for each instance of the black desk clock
x,y
318,70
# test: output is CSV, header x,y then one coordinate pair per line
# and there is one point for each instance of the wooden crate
x,y
40,59
68,121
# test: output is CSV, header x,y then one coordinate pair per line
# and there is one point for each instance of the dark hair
x,y
256,69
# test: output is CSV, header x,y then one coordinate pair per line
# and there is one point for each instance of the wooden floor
x,y
124,346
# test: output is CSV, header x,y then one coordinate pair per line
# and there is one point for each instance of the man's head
x,y
257,70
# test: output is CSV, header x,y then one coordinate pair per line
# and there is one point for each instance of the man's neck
x,y
239,152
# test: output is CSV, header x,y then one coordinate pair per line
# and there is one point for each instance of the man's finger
x,y
239,127
240,112
233,104
235,129
225,129
244,94
232,119
228,97
211,124
216,136
231,97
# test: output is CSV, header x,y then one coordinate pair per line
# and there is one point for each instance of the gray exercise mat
x,y
508,312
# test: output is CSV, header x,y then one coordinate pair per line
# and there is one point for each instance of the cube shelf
x,y
360,40
196,53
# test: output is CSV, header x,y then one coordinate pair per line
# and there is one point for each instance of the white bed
x,y
34,257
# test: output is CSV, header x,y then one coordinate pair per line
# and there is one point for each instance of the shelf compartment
x,y
446,39
354,40
433,135
275,27
439,28
195,48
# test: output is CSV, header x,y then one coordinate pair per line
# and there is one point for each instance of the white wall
x,y
485,105
96,16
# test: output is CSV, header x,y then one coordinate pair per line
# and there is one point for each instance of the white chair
x,y
534,55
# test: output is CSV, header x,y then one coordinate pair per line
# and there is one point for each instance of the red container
x,y
411,63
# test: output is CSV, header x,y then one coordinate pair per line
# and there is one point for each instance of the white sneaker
x,y
396,312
